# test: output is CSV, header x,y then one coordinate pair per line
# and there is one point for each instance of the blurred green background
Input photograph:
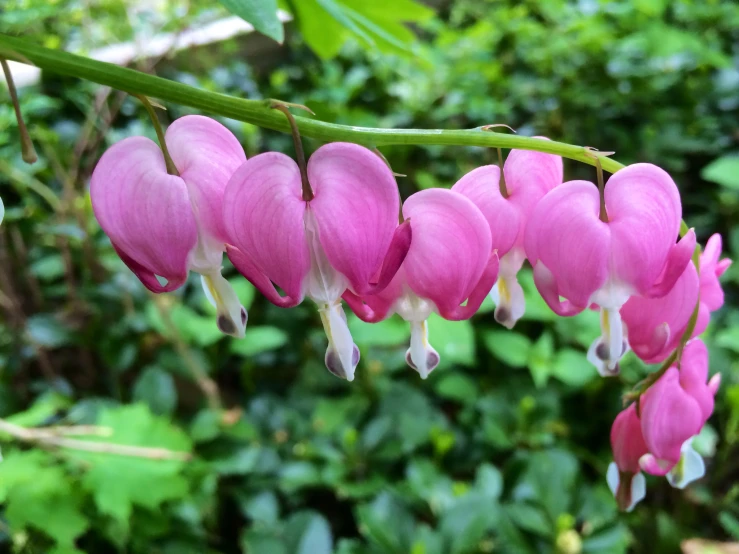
x,y
505,447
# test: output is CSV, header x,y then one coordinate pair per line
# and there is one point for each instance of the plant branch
x,y
54,436
258,112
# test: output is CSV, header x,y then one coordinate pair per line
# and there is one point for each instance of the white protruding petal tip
x,y
638,490
691,467
231,315
612,477
342,355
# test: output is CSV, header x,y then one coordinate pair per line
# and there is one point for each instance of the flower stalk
x,y
28,152
171,168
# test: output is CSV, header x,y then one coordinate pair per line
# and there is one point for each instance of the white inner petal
x,y
231,315
323,284
612,477
691,467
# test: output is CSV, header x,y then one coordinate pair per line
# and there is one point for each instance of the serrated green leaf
x,y
308,533
262,14
724,171
392,331
457,386
571,367
118,483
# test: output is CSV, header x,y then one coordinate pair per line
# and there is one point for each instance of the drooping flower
x,y
711,293
528,176
164,225
656,325
589,257
346,237
624,475
449,261
673,411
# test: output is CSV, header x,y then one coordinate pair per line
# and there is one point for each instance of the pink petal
x,y
261,282
263,216
145,212
647,319
481,186
356,206
529,176
669,417
565,234
712,295
694,376
547,286
206,155
644,212
451,248
627,441
678,257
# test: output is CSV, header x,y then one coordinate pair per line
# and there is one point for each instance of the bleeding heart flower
x,y
592,258
711,293
449,261
164,225
624,475
656,325
346,236
673,411
507,206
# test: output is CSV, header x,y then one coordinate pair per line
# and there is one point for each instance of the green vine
x,y
260,113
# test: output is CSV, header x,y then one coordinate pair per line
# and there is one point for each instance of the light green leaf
x,y
38,493
571,367
259,339
453,340
262,14
457,386
389,332
724,171
118,483
508,346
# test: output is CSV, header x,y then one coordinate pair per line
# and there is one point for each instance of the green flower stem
x,y
259,112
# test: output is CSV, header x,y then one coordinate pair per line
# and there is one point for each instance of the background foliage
x,y
504,448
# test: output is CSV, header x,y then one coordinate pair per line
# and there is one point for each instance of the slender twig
x,y
27,150
207,385
54,437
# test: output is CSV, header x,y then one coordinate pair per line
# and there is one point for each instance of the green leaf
x,y
262,14
508,346
453,340
46,330
116,482
457,386
540,359
386,523
259,339
392,331
155,387
572,368
308,533
724,171
45,406
37,493
549,481
467,521
530,518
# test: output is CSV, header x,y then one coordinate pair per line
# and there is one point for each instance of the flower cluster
x,y
335,229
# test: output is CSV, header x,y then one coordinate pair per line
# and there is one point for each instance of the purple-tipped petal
x,y
263,216
356,207
206,155
146,212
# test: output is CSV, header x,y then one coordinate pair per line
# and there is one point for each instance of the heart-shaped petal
x,y
356,207
145,211
450,251
566,236
263,216
206,155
